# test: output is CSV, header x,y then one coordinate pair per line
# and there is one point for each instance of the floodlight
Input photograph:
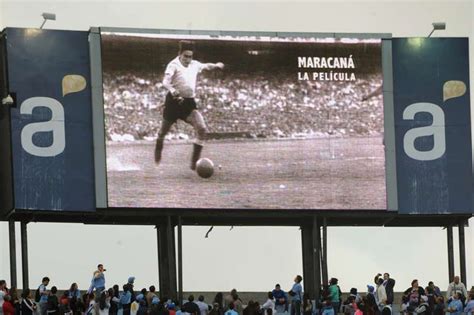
x,y
8,100
47,16
438,26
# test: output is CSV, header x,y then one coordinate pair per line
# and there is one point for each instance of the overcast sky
x,y
250,259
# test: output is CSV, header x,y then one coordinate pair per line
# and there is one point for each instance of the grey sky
x,y
245,258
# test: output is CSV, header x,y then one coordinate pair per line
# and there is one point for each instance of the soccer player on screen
x,y
180,81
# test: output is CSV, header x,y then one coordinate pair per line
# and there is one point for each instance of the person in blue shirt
x,y
43,294
231,311
328,309
281,300
469,309
98,280
296,293
126,299
74,292
455,307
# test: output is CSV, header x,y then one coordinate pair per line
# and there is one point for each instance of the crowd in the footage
x,y
260,105
97,300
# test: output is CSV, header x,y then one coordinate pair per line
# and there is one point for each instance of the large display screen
x,y
289,123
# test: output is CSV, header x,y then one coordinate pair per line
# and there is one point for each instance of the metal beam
x,y
462,253
160,258
324,261
24,254
12,238
169,252
449,230
172,260
167,260
180,261
316,259
308,263
244,217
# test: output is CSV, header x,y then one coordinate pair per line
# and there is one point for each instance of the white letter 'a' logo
x,y
436,129
55,125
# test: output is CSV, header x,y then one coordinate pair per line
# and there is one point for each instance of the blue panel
x,y
434,71
52,142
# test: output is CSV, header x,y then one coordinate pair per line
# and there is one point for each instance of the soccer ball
x,y
205,167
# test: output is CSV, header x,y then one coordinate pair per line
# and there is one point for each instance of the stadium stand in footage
x,y
259,106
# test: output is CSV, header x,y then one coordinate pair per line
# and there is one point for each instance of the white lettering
x,y
55,125
303,76
436,129
350,63
326,62
301,62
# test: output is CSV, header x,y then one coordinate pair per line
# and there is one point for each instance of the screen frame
x,y
98,100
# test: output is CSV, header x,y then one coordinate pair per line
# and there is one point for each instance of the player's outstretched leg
x,y
158,149
197,121
165,127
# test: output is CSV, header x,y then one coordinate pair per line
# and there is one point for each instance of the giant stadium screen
x,y
287,122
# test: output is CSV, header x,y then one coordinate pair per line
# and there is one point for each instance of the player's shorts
x,y
175,110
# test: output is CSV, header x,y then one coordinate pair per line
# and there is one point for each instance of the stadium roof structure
x,y
242,217
314,246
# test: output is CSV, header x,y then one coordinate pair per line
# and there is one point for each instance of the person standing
x,y
74,291
380,295
191,307
53,302
218,304
469,309
412,296
114,300
91,309
357,297
150,295
126,299
296,293
269,305
130,285
281,300
104,303
370,304
98,281
42,296
456,287
455,307
231,311
7,307
203,306
389,284
334,294
3,293
28,307
15,300
328,308
64,306
180,81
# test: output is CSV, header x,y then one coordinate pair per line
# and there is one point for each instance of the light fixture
x,y
47,16
8,100
438,26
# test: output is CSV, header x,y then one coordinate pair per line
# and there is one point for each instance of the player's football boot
x,y
197,148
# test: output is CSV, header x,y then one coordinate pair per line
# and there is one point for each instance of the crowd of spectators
x,y
378,300
261,105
